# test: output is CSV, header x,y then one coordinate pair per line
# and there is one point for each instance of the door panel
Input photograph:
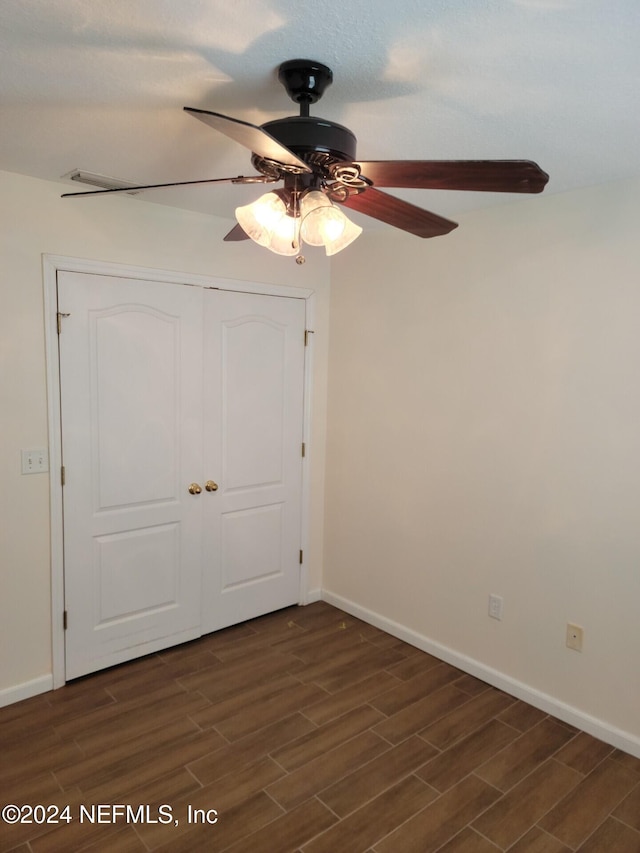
x,y
131,378
254,371
136,418
253,389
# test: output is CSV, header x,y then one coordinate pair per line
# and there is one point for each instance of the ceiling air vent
x,y
103,182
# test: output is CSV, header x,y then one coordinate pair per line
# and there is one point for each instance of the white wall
x,y
484,437
34,220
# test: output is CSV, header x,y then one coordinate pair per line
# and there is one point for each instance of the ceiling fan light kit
x,y
316,161
282,224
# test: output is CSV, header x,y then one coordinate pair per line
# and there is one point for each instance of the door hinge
x,y
59,317
304,449
65,620
301,556
307,332
63,475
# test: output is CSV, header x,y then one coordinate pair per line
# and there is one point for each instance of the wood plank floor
x,y
307,730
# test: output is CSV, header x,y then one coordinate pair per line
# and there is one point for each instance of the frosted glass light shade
x,y
350,232
259,219
324,224
317,216
284,239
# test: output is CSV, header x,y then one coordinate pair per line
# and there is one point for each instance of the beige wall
x,y
484,437
34,220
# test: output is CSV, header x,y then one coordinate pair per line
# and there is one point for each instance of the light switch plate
x,y
35,461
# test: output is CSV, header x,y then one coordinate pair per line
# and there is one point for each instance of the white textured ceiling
x,y
99,85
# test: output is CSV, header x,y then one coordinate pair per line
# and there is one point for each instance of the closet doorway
x,y
181,411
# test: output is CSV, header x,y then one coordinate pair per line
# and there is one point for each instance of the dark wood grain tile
x,y
538,841
576,816
514,814
250,748
362,828
373,778
234,824
415,688
340,642
629,761
86,768
473,714
445,818
217,683
452,765
288,832
125,841
629,809
17,746
522,716
241,700
38,788
414,665
339,677
583,753
346,659
100,729
13,835
472,686
255,717
179,662
332,734
350,697
316,775
388,641
468,841
18,767
612,836
224,794
415,717
524,754
122,777
281,627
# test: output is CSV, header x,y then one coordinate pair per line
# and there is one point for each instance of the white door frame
x,y
51,265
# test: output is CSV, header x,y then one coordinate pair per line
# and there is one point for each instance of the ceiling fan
x,y
315,159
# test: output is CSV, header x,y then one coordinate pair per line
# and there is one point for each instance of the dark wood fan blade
x,y
236,233
498,176
401,214
252,137
250,179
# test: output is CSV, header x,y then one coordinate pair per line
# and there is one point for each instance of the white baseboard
x,y
568,714
313,595
26,690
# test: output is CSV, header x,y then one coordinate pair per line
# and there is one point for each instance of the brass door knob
x,y
194,489
210,486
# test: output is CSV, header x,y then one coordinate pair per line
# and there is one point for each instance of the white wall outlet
x,y
35,461
574,637
495,606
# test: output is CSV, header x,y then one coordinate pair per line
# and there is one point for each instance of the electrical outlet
x,y
495,606
574,637
35,461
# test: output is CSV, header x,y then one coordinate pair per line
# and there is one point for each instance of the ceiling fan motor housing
x,y
314,140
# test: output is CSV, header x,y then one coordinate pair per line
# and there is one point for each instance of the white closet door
x,y
253,402
164,386
131,402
